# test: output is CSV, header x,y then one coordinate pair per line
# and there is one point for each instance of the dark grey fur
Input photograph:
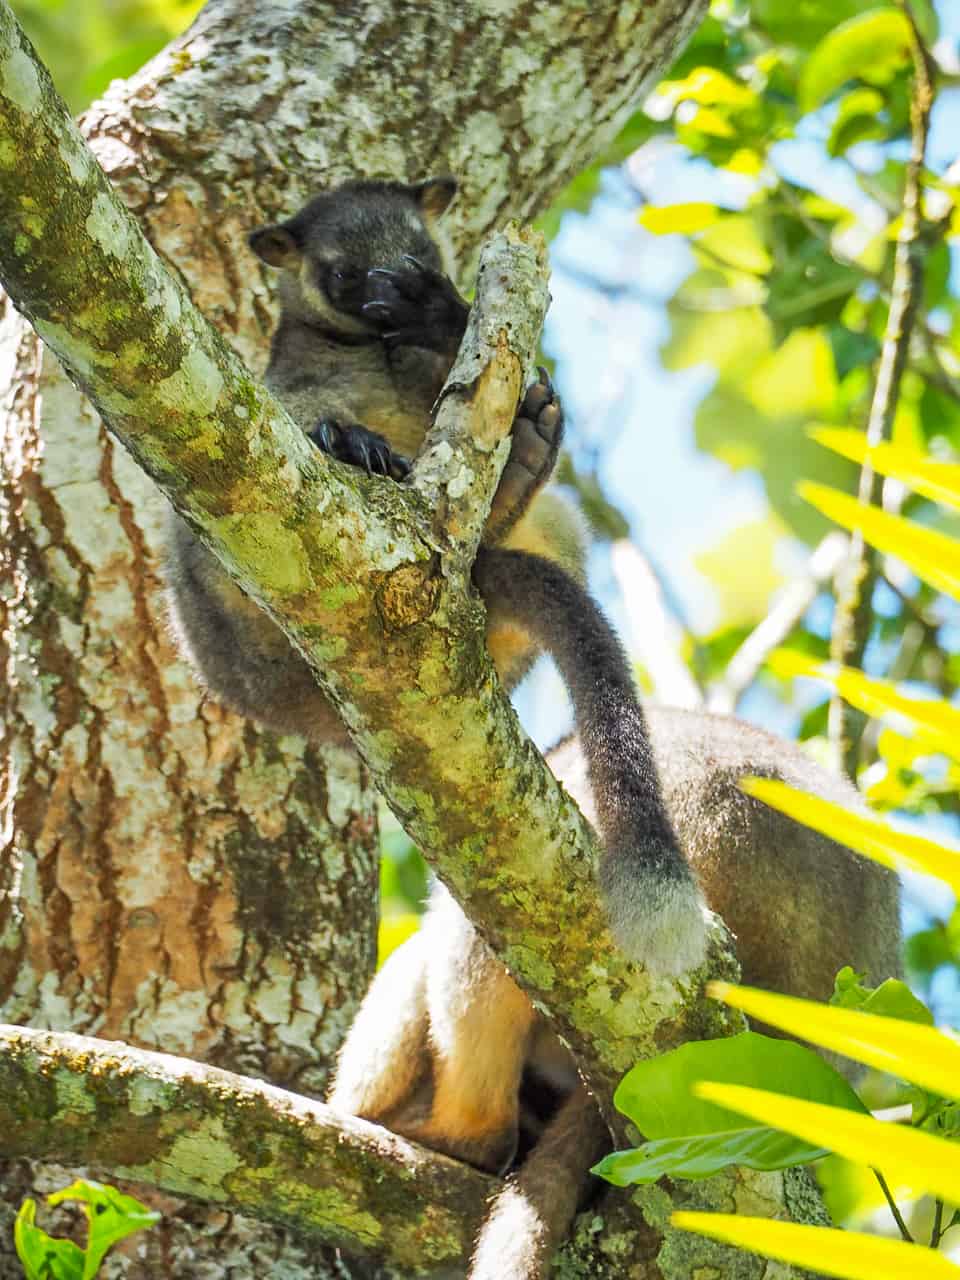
x,y
369,324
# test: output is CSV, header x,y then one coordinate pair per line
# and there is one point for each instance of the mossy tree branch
x,y
225,1139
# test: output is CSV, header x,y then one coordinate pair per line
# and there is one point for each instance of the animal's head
x,y
326,249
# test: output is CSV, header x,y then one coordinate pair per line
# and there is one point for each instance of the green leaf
x,y
856,120
926,951
43,1256
656,1094
705,1154
892,999
678,219
851,349
809,287
803,22
872,47
112,1216
849,1255
693,1138
736,240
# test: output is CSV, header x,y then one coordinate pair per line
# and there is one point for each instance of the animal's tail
x,y
653,903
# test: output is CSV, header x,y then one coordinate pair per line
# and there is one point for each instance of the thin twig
x,y
897,1215
937,1231
854,615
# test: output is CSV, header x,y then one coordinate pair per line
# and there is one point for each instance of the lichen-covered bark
x,y
227,1140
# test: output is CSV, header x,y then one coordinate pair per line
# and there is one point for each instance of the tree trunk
x,y
144,827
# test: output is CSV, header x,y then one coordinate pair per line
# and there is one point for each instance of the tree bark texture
x,y
174,876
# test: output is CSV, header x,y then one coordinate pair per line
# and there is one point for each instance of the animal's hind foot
x,y
534,445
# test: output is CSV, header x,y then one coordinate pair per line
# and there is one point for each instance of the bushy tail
x,y
531,1215
654,905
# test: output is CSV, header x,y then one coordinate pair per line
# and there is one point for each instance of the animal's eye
x,y
340,274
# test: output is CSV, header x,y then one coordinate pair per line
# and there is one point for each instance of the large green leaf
x,y
873,47
705,1154
656,1094
693,1138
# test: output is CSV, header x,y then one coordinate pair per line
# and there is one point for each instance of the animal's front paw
x,y
534,444
415,307
349,442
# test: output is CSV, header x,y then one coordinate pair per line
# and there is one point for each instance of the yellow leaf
x,y
935,557
932,1164
708,87
706,120
798,377
846,1254
923,1055
936,722
678,219
873,837
745,160
937,480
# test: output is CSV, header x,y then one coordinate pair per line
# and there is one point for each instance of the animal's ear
x,y
434,195
275,245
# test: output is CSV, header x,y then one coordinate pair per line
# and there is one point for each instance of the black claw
x,y
376,310
326,436
415,263
545,379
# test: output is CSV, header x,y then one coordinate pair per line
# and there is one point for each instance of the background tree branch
x,y
854,607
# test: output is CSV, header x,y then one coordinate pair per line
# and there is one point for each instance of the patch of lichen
x,y
29,1096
